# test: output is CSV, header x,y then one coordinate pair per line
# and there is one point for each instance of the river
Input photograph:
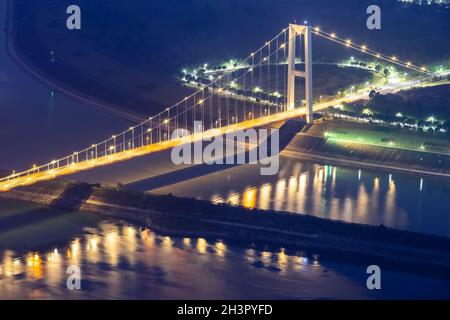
x,y
118,260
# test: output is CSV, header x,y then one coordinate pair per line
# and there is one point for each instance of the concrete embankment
x,y
319,150
174,216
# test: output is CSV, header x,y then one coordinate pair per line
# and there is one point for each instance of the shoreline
x,y
168,215
356,164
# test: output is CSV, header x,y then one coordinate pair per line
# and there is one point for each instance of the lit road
x,y
47,172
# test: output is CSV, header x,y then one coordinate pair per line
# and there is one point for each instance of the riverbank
x,y
168,215
368,146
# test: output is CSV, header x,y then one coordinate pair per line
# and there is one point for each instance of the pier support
x,y
295,31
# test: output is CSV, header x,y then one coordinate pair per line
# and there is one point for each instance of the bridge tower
x,y
296,32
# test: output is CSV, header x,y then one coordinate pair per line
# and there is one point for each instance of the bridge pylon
x,y
296,31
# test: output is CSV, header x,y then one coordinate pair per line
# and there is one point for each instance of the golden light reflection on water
x,y
292,193
167,242
319,193
250,255
112,247
202,245
266,257
280,193
234,199
148,238
221,249
187,242
249,198
283,260
34,267
389,208
129,243
107,247
74,252
362,200
264,196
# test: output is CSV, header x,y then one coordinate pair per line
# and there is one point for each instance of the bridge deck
x,y
30,177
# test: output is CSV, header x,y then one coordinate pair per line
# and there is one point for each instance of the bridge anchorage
x,y
258,91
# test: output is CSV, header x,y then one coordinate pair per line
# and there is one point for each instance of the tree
x,y
446,126
386,72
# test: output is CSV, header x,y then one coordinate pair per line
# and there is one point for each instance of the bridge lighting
x,y
282,46
265,59
251,69
352,58
166,121
267,43
201,101
317,29
364,48
333,35
408,64
394,58
423,69
348,42
111,148
378,56
257,89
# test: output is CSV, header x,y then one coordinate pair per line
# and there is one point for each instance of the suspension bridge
x,y
260,91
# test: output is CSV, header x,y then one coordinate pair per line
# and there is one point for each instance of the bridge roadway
x,y
32,177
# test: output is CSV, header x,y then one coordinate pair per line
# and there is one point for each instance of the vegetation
x,y
425,109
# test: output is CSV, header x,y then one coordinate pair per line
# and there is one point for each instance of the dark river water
x,y
118,260
123,261
352,195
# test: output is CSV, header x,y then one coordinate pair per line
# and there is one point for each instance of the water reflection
x,y
113,256
335,193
